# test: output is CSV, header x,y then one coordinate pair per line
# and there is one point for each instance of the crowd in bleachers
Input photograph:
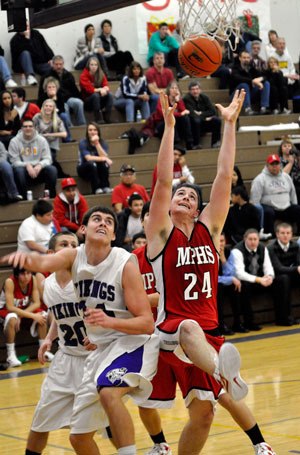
x,y
32,133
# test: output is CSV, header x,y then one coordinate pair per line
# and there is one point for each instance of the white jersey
x,y
63,304
100,286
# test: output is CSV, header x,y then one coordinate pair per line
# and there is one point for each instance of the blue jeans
x,y
131,106
153,102
7,176
48,176
29,67
77,107
252,92
4,70
67,122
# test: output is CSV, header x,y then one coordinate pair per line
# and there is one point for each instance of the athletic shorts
x,y
54,410
6,315
129,361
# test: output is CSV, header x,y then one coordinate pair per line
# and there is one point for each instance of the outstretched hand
x,y
231,112
168,112
16,259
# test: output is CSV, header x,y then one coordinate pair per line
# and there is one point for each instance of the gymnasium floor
x,y
270,365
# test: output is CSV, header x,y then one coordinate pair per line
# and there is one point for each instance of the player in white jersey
x,y
118,319
54,409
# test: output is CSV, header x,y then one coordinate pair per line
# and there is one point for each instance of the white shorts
x,y
129,361
54,410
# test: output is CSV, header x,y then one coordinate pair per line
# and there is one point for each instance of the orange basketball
x,y
200,56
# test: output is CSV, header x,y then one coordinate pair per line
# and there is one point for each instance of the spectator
x,y
181,172
290,162
20,303
68,88
275,191
132,95
139,240
270,47
51,90
255,271
245,76
116,60
48,124
278,88
177,33
94,161
35,231
241,216
126,188
203,115
95,91
30,54
5,72
9,118
225,69
286,65
158,78
89,46
228,287
285,257
69,206
163,41
237,179
25,109
7,181
259,63
183,130
30,156
129,222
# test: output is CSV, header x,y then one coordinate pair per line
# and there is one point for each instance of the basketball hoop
x,y
214,18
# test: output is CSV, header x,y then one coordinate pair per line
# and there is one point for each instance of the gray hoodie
x,y
34,151
277,191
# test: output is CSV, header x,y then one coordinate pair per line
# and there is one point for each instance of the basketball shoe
x,y
13,360
263,449
229,369
160,449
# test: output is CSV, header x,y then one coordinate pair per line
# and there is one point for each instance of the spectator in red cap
x,y
126,188
275,192
69,206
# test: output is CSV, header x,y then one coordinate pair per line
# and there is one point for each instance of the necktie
x,y
253,267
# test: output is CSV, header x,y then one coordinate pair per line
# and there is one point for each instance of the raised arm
x,y
159,225
215,213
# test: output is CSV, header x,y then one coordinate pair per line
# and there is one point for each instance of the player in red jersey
x,y
183,243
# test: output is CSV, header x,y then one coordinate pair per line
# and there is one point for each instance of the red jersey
x,y
21,299
147,274
121,193
186,274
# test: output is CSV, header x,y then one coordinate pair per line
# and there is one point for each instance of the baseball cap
x,y
126,167
273,159
69,181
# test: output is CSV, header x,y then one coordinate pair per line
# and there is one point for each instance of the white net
x,y
215,18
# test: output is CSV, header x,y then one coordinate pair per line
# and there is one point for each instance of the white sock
x,y
11,349
128,450
216,374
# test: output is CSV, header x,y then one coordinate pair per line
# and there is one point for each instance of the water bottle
x,y
29,195
46,194
138,116
23,80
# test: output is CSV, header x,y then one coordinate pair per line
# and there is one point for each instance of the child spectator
x,y
129,222
25,109
69,206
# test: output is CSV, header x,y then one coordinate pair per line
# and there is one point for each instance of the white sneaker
x,y
13,361
286,111
263,236
160,449
229,368
99,191
49,356
10,83
263,449
31,80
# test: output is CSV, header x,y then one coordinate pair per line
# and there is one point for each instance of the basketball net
x,y
214,18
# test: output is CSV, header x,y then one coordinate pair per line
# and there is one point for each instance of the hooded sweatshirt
x,y
33,151
67,214
277,191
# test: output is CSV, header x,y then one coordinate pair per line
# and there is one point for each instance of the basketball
x,y
200,56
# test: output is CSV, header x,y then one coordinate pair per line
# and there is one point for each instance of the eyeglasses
x,y
27,126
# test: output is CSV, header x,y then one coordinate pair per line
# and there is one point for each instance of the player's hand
x,y
39,318
16,259
96,316
231,112
46,346
168,112
88,346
